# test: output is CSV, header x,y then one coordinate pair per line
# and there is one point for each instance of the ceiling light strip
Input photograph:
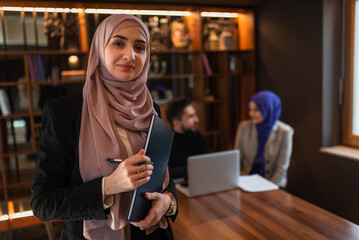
x,y
17,215
22,214
41,9
138,12
219,14
120,11
4,217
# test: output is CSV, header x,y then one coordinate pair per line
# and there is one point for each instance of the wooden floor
x,y
265,215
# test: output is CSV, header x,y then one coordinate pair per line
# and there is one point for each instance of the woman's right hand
x,y
126,177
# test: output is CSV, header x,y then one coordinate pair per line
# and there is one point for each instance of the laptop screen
x,y
212,172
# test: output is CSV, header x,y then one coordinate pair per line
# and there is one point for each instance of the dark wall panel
x,y
290,62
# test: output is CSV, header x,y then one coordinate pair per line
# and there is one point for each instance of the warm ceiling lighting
x,y
17,215
120,11
4,217
22,214
219,14
138,12
15,9
40,9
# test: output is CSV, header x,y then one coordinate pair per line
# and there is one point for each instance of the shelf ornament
x,y
54,29
179,34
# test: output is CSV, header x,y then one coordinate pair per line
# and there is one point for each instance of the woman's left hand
x,y
160,205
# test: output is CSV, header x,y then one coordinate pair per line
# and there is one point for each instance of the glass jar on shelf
x,y
213,40
155,34
226,39
179,34
165,33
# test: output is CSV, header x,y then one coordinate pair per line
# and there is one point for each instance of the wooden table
x,y
274,214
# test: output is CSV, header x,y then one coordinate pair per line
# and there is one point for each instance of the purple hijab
x,y
270,106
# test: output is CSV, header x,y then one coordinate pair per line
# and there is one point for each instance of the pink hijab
x,y
108,102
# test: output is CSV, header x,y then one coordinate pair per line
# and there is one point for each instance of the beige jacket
x,y
277,152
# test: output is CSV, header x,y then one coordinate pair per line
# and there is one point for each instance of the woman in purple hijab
x,y
264,142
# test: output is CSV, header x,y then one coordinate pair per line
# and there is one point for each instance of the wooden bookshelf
x,y
220,98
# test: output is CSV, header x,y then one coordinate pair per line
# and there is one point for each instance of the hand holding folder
x,y
129,174
158,148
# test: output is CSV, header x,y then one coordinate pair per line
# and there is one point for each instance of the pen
x,y
117,160
146,163
114,160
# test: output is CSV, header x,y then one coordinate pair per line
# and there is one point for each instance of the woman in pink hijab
x,y
108,119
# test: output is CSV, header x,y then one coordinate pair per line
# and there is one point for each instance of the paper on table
x,y
256,183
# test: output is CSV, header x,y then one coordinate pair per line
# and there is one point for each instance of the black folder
x,y
158,147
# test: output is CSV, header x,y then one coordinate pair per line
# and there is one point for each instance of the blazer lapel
x,y
272,136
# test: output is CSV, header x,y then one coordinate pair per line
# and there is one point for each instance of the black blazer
x,y
58,191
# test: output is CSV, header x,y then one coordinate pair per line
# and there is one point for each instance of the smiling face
x,y
125,54
254,113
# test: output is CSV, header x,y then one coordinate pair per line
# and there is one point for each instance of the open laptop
x,y
211,172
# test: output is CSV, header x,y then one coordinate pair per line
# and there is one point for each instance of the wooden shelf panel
x,y
173,76
212,132
22,149
20,223
221,51
12,83
228,51
213,75
241,51
21,114
42,52
55,83
19,186
215,101
23,223
175,51
4,225
20,195
228,74
24,179
209,101
237,74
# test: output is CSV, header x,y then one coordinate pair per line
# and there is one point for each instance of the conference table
x,y
275,214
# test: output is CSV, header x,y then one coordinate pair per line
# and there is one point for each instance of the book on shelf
x,y
55,74
158,147
4,103
73,75
41,67
206,64
31,67
36,68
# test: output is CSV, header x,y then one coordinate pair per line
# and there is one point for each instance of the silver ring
x,y
139,169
